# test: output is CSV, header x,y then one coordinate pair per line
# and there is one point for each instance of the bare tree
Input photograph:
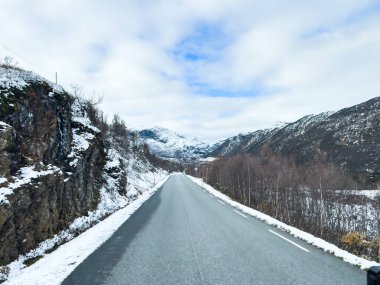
x,y
301,195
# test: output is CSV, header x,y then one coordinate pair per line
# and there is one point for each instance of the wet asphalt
x,y
183,235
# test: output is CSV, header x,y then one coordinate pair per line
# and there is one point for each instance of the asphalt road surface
x,y
183,235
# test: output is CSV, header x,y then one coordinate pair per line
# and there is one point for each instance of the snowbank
x,y
54,267
320,243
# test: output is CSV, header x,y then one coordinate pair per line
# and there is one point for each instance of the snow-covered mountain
x,y
171,145
348,137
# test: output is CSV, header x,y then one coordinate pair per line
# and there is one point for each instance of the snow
x,y
171,145
85,121
364,264
25,176
80,143
208,159
280,124
54,267
80,115
4,192
18,78
141,177
370,194
114,159
4,125
114,207
82,137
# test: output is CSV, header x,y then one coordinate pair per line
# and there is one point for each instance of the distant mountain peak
x,y
171,145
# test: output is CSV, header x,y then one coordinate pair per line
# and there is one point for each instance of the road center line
x,y
293,243
210,195
220,202
241,214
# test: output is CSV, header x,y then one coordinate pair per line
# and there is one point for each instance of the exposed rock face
x,y
349,137
6,142
47,178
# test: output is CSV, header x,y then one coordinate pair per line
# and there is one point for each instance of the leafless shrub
x,y
89,105
8,62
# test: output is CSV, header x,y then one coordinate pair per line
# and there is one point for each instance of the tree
x,y
119,133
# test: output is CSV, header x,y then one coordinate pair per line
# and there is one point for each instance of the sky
x,y
210,69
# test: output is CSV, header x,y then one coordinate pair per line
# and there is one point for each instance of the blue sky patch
x,y
202,44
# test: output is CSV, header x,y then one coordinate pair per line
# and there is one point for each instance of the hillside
x,y
349,137
170,145
62,168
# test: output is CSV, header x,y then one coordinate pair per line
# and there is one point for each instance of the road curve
x,y
183,235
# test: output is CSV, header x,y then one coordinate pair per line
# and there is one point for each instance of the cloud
x,y
205,68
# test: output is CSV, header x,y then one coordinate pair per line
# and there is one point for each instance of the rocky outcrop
x,y
6,141
51,164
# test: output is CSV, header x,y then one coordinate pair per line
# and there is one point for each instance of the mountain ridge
x,y
349,137
170,145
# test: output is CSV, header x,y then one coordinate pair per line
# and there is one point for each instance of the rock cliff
x,y
52,162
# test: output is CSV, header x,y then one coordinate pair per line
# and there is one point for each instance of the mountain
x,y
349,137
170,145
62,168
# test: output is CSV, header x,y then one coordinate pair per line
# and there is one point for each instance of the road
x,y
183,235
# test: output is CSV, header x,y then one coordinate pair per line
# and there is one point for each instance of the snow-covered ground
x,y
320,243
356,211
18,78
54,267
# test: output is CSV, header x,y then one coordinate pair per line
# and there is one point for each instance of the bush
x,y
356,243
9,62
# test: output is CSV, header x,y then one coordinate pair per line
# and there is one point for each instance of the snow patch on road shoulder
x,y
53,268
364,264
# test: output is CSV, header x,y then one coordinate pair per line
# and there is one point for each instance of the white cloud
x,y
303,57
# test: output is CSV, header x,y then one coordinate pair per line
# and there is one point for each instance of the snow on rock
x,y
141,179
208,159
17,78
4,125
82,136
80,143
80,115
54,267
25,176
320,243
